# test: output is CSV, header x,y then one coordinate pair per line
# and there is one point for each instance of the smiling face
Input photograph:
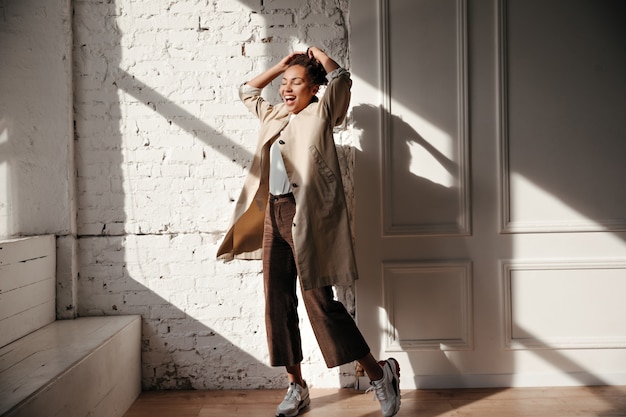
x,y
296,89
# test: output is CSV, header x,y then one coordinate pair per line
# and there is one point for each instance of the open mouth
x,y
289,99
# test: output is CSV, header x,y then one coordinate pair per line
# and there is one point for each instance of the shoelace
x,y
293,393
379,391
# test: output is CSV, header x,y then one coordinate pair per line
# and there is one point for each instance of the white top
x,y
279,181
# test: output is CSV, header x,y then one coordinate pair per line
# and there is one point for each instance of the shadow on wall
x,y
437,201
148,157
564,155
179,350
429,309
577,372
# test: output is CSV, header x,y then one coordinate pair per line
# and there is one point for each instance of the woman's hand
x,y
315,52
283,64
328,63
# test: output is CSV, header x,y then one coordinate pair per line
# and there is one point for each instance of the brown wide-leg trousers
x,y
338,336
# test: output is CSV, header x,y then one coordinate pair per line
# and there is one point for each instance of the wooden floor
x,y
506,402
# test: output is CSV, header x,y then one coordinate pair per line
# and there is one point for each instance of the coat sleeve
x,y
336,99
243,238
251,98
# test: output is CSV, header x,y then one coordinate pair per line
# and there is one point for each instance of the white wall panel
x,y
563,106
27,285
428,305
569,304
425,160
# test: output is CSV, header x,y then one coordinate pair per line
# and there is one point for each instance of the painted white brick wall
x,y
163,148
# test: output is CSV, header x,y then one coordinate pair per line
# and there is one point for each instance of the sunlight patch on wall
x,y
361,99
425,165
433,135
533,205
428,148
5,205
5,201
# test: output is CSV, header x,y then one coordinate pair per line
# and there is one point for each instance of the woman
x,y
292,213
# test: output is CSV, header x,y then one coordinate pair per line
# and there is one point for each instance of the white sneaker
x,y
387,389
296,399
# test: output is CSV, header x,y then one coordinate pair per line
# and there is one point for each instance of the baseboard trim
x,y
511,380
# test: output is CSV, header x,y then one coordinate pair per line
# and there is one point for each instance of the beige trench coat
x,y
321,226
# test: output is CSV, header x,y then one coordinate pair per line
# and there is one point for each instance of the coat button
x,y
282,142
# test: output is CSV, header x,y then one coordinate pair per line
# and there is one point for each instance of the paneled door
x,y
490,189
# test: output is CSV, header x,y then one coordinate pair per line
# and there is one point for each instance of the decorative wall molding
x,y
508,267
507,223
462,226
395,342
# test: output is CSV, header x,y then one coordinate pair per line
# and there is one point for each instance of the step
x,y
89,366
27,285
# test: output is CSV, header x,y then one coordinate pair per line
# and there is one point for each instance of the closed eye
x,y
295,81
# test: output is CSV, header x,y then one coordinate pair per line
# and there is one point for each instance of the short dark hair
x,y
313,68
